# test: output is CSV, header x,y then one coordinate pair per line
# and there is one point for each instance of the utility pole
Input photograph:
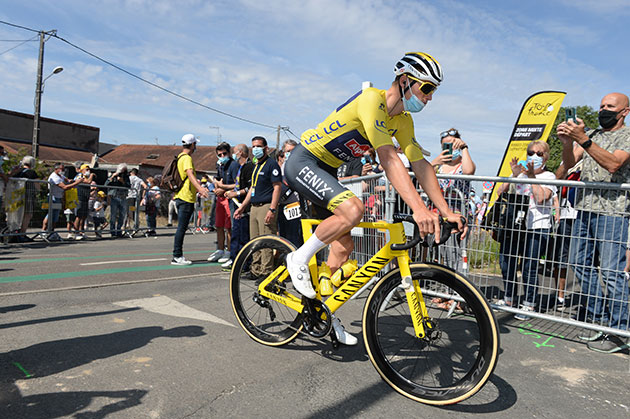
x,y
280,128
218,133
39,88
278,139
38,95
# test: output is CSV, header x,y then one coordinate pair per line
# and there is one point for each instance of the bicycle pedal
x,y
334,340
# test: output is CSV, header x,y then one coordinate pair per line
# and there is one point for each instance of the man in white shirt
x,y
57,184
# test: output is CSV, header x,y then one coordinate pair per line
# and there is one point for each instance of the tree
x,y
587,114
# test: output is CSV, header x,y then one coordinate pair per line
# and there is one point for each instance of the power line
x,y
18,26
19,45
157,86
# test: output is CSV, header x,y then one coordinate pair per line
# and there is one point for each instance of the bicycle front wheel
x,y
265,320
460,350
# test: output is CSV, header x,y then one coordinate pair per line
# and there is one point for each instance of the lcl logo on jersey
x,y
356,148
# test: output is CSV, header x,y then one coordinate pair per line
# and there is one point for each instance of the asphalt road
x,y
110,329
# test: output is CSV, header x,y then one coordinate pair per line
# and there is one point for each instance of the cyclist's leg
x,y
340,251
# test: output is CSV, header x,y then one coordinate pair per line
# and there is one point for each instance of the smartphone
x,y
571,113
449,147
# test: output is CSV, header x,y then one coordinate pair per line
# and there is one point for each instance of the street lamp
x,y
38,100
56,70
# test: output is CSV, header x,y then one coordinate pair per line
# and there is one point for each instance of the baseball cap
x,y
189,139
85,166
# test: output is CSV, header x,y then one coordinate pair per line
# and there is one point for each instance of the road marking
x,y
109,284
109,271
121,261
13,261
169,307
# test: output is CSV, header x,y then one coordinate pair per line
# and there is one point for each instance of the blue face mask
x,y
537,160
412,104
258,152
366,160
223,159
286,155
234,156
456,154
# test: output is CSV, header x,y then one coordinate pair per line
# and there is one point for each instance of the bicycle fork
x,y
415,300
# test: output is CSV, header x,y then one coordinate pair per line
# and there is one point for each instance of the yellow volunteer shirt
x,y
358,124
188,192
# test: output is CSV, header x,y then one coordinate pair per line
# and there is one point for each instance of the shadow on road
x,y
59,318
16,308
49,358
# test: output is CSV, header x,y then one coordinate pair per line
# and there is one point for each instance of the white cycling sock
x,y
304,254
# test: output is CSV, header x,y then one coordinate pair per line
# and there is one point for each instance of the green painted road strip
x,y
5,262
77,274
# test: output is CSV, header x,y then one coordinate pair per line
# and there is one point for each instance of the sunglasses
x,y
450,132
426,87
538,153
222,154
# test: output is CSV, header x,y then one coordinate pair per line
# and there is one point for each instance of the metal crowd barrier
x,y
481,257
26,203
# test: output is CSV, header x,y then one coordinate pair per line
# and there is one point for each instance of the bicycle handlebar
x,y
429,240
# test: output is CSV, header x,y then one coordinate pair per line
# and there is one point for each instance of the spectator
x,y
290,229
4,180
83,194
243,181
264,196
538,218
151,202
185,197
57,184
223,222
118,200
566,215
172,210
456,191
98,213
602,221
25,171
137,185
203,209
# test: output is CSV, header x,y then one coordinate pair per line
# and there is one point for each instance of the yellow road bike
x,y
431,352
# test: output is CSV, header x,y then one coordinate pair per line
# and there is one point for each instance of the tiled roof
x,y
50,154
204,158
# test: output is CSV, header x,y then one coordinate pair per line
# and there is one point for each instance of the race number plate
x,y
292,211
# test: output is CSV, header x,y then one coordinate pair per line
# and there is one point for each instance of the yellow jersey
x,y
358,124
188,192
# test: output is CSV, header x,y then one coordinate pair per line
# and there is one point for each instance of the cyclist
x,y
370,118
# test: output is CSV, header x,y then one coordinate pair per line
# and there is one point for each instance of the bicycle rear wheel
x,y
265,320
457,356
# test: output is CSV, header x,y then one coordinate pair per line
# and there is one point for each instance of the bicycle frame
x,y
361,277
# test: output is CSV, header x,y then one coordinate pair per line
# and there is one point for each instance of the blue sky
x,y
291,63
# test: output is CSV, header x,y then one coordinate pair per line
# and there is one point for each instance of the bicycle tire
x,y
254,312
452,366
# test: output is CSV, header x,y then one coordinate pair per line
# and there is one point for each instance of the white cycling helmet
x,y
420,66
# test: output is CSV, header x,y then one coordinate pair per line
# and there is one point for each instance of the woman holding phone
x,y
454,159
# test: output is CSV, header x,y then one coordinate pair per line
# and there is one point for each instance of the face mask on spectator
x,y
223,159
286,155
456,154
607,119
537,160
258,152
234,156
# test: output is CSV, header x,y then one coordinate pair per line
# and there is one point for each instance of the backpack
x,y
171,179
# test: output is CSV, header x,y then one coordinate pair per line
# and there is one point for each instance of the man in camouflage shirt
x,y
602,223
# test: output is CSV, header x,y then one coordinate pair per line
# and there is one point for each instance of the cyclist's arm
x,y
399,177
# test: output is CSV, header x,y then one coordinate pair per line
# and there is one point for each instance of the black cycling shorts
x,y
314,180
